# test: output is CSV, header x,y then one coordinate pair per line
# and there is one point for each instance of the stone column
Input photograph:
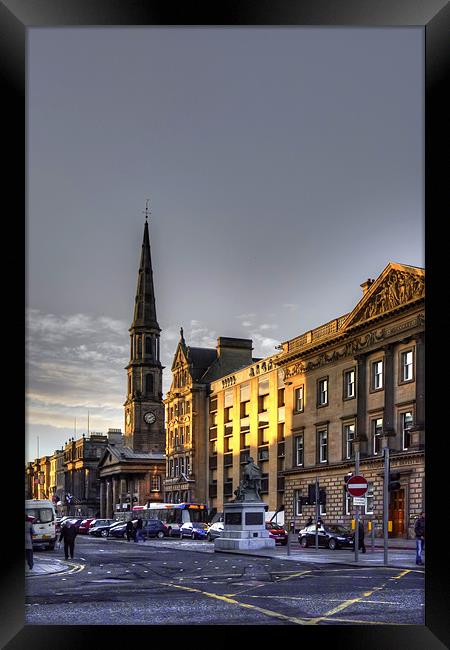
x,y
361,374
388,418
418,431
115,485
102,500
108,499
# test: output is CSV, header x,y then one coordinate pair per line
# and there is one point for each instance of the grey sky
x,y
284,167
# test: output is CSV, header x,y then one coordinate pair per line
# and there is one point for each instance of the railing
x,y
318,333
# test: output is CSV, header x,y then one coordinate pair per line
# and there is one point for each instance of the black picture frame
x,y
16,16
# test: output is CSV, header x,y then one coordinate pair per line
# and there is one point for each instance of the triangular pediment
x,y
397,285
180,358
111,456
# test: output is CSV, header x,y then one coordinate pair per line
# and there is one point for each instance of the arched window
x,y
149,384
148,346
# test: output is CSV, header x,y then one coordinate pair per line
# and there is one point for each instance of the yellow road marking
x,y
261,610
352,601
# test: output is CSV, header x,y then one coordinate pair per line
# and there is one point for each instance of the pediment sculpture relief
x,y
399,287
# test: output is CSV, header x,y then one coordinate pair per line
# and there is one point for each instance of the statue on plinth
x,y
249,488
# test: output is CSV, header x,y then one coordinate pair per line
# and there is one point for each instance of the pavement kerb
x,y
42,565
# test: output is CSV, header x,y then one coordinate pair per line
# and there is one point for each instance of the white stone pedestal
x,y
244,527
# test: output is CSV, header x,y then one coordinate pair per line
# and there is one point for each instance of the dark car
x,y
154,528
73,521
118,529
277,532
329,536
100,527
194,530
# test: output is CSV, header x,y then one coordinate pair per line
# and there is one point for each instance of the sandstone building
x,y
358,379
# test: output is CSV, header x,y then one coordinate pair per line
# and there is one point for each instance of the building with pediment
x,y
299,413
132,469
187,414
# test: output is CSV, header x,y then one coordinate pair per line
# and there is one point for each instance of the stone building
x,y
359,379
81,473
132,472
187,415
37,478
247,419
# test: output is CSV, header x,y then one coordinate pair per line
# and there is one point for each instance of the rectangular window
x,y
323,445
406,362
228,444
369,499
213,404
297,503
349,384
181,435
377,430
245,392
245,409
322,392
323,506
176,467
280,397
377,375
298,450
263,403
348,503
212,447
298,402
407,422
155,484
349,435
182,465
263,387
188,466
228,398
228,414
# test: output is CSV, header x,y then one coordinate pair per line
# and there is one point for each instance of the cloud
x,y
267,326
247,323
290,305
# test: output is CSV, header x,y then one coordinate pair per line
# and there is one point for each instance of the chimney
x,y
115,436
365,286
235,347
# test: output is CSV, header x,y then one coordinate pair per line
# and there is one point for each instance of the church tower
x,y
144,409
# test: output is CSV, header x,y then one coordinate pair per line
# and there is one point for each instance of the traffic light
x,y
347,477
394,481
312,494
322,497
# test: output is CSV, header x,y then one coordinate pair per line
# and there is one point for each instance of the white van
x,y
44,525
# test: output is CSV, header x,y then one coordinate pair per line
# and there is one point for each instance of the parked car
x,y
155,528
329,536
174,530
194,530
215,530
117,529
100,527
84,526
277,532
74,521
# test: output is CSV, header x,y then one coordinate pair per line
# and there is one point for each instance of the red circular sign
x,y
357,486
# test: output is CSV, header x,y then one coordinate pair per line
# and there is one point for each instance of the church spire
x,y
145,308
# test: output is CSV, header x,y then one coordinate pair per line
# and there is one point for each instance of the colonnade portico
x,y
113,491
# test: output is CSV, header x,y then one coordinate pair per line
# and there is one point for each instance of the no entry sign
x,y
357,486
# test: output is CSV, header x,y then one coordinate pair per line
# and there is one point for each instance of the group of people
x,y
132,532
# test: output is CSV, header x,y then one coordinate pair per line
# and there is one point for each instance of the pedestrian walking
x,y
138,534
68,534
310,521
419,529
361,544
129,530
29,540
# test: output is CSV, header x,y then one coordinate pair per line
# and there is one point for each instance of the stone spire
x,y
145,308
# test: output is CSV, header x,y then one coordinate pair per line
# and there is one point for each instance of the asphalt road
x,y
113,582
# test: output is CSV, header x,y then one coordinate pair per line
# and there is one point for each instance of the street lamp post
x,y
356,448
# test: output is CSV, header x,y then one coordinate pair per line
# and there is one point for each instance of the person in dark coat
x,y
138,533
310,521
419,529
361,545
68,534
129,530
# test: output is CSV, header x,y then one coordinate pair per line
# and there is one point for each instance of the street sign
x,y
359,501
357,486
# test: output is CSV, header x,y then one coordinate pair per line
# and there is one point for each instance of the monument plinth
x,y
244,518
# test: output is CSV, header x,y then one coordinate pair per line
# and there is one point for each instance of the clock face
x,y
149,417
